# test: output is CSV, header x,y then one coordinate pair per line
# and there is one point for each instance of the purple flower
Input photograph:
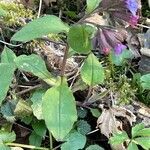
x,y
119,48
125,10
133,6
109,39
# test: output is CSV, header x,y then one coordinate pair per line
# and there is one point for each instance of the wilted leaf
x,y
40,27
92,71
22,109
37,103
6,76
74,141
108,122
145,81
144,142
7,56
92,4
59,110
34,64
79,39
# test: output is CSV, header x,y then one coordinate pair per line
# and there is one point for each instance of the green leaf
x,y
4,147
59,110
118,60
136,129
34,64
95,112
7,56
144,142
83,127
91,5
144,132
74,141
145,81
37,103
7,110
7,137
39,128
132,146
79,39
94,147
35,139
92,72
118,138
6,76
40,27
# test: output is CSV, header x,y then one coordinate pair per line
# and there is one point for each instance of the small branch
x,y
64,61
40,7
9,44
29,89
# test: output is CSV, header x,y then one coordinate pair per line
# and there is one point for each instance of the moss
x,y
15,14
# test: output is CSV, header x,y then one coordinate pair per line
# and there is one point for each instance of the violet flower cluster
x,y
109,39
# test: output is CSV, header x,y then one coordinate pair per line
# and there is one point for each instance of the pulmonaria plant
x,y
123,11
108,39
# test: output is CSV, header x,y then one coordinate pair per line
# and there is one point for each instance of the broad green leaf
x,y
7,110
118,138
6,76
145,81
59,110
118,60
83,127
144,142
34,64
6,137
144,132
132,146
39,128
23,109
37,103
79,39
40,27
91,5
7,56
35,139
94,147
92,72
136,129
4,147
74,141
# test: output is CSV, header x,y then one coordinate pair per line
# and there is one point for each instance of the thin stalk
x,y
50,140
26,146
40,7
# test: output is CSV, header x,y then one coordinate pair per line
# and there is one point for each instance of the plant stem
x,y
40,7
50,140
26,146
64,61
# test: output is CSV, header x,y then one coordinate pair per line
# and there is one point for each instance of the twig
x,y
40,7
9,44
29,89
144,26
